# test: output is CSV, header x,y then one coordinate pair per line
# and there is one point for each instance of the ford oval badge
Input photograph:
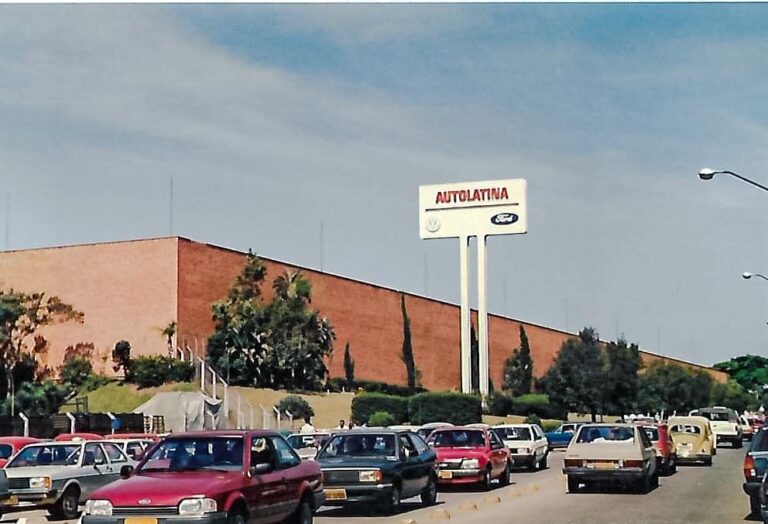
x,y
145,502
504,219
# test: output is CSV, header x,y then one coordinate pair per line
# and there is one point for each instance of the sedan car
x,y
561,437
693,439
611,453
57,475
470,456
666,455
212,477
9,446
527,444
307,445
426,430
377,467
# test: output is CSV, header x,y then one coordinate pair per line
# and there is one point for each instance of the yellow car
x,y
693,439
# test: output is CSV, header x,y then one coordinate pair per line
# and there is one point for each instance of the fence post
x,y
290,419
214,380
23,417
277,412
112,418
250,407
72,421
264,418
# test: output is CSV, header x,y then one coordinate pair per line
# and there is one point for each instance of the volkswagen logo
x,y
433,224
504,219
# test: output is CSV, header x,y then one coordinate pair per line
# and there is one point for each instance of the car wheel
x,y
235,517
754,505
504,479
655,480
392,504
486,482
708,461
644,484
573,484
66,508
737,444
544,461
429,495
302,515
533,464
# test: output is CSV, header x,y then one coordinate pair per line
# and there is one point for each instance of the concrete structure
x,y
131,290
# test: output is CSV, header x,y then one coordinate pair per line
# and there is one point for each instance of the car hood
x,y
55,472
163,489
460,453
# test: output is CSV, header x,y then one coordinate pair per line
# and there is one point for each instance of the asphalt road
x,y
695,495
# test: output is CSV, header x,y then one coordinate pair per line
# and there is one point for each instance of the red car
x,y
213,477
467,455
9,446
65,437
666,456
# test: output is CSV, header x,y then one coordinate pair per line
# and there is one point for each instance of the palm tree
x,y
168,332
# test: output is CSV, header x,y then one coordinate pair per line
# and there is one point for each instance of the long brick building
x,y
131,290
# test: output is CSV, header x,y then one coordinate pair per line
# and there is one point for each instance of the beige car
x,y
693,439
611,454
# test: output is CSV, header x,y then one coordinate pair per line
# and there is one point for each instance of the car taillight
x,y
749,467
633,463
573,463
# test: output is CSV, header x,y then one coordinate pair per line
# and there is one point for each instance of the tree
x,y
750,371
121,356
296,406
282,344
575,379
406,355
474,360
518,369
349,366
672,388
620,378
36,399
732,395
169,332
75,372
21,315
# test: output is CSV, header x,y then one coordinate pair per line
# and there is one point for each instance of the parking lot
x,y
694,495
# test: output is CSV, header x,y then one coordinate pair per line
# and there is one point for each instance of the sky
x,y
304,131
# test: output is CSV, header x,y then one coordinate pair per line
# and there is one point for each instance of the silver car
x,y
58,475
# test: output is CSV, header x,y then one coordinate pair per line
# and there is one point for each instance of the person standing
x,y
307,427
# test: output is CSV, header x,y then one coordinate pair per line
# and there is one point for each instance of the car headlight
x,y
197,507
98,507
371,476
470,464
40,482
525,451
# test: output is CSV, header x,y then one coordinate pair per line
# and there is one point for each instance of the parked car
x,y
377,467
57,475
426,430
693,439
72,437
666,456
611,453
561,437
470,456
527,444
724,422
234,476
747,431
9,446
307,445
133,447
755,463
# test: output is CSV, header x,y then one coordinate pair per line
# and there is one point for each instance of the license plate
x,y
11,501
140,520
333,494
603,465
446,475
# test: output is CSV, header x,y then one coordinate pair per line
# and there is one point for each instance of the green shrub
x,y
296,406
456,408
370,386
147,372
533,418
381,419
366,404
550,425
502,404
75,372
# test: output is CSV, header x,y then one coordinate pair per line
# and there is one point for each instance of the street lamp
x,y
747,275
709,174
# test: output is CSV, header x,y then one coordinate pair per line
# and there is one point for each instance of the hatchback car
x,y
528,446
377,467
206,477
468,455
611,453
9,446
693,439
755,463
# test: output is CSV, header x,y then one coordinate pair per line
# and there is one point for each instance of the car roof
x,y
13,440
512,426
221,433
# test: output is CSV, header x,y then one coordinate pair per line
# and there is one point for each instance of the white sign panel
x,y
493,207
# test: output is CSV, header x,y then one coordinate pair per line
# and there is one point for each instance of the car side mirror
x,y
126,471
260,469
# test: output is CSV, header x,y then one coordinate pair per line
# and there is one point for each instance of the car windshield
x,y
196,453
717,416
305,441
457,438
360,445
514,433
47,455
691,429
652,434
613,434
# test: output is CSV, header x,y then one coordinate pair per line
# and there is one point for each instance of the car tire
x,y
533,465
235,517
544,461
67,507
737,444
392,504
754,505
644,484
485,484
708,461
504,479
572,484
303,514
429,495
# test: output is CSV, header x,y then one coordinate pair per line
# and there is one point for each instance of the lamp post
x,y
747,275
709,174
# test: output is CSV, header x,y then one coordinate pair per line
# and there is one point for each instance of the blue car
x,y
561,437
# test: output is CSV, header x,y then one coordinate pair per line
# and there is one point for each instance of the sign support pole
x,y
466,355
482,314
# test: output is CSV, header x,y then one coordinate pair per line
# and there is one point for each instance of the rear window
x,y
618,434
652,434
760,441
514,433
691,429
457,439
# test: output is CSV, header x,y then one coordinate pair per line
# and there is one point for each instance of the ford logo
x,y
145,502
504,219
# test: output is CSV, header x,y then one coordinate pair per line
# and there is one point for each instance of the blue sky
x,y
274,118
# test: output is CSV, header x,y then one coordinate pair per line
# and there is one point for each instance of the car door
x,y
426,460
499,454
263,489
117,459
539,443
409,466
290,477
648,452
93,469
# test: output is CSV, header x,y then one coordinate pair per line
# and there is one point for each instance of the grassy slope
x,y
119,398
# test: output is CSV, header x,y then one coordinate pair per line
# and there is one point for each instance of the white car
x,y
527,444
306,445
724,423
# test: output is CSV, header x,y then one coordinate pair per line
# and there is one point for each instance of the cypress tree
x,y
407,353
349,366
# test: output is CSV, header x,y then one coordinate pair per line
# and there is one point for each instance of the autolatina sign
x,y
496,207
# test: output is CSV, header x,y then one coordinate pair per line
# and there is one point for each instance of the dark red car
x,y
9,446
666,456
470,455
217,477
